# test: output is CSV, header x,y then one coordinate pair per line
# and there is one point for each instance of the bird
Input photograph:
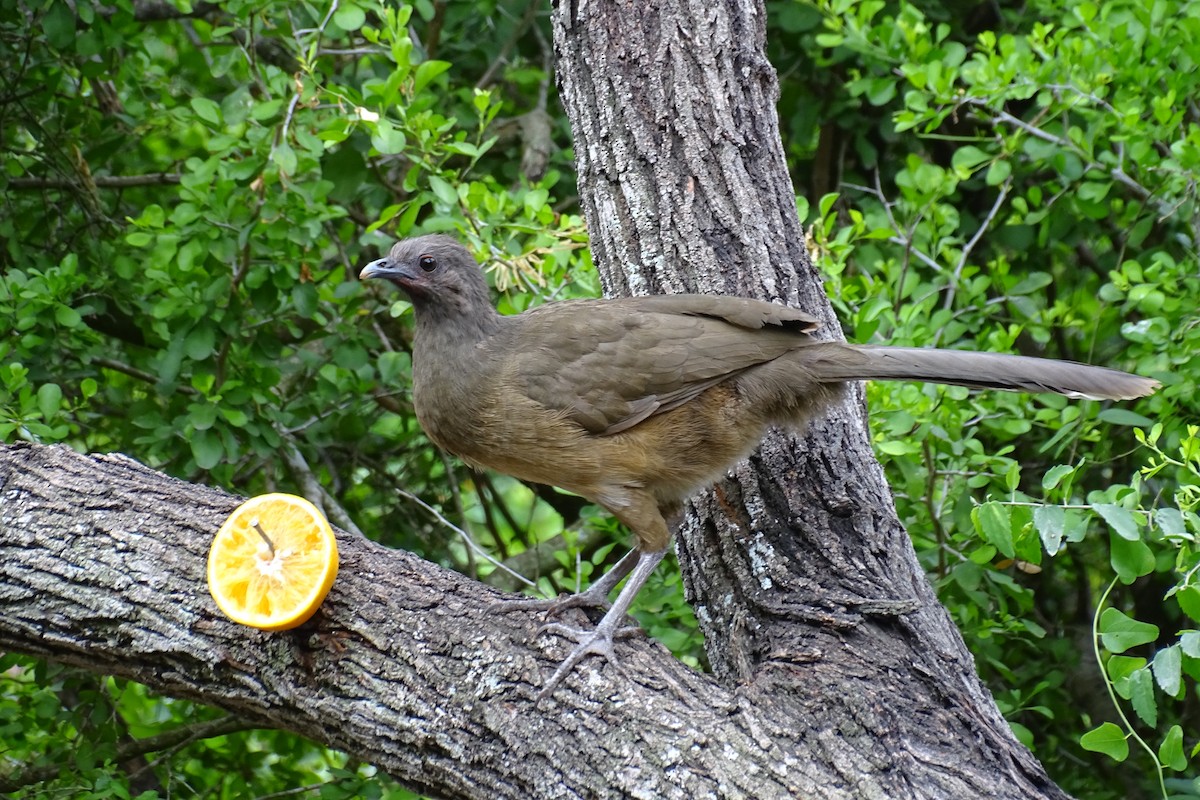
x,y
637,403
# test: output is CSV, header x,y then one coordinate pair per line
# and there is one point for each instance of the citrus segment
x,y
272,562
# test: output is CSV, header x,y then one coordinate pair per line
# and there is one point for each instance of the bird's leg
x,y
595,596
599,640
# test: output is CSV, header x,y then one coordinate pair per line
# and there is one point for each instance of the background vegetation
x,y
190,189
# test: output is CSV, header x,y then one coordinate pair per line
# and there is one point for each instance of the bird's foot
x,y
590,598
638,565
595,642
595,596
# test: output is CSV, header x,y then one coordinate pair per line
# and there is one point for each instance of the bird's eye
x,y
428,263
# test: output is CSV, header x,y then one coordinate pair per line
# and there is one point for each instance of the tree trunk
x,y
805,585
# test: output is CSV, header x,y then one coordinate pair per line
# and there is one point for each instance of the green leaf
x,y
881,91
266,109
995,523
1170,521
1189,643
207,449
464,149
199,342
1050,522
1023,734
1119,632
235,416
59,25
392,365
443,190
387,139
1107,739
898,447
152,216
304,298
426,72
1120,518
1123,416
967,158
802,208
1076,525
1032,283
67,316
535,199
49,398
1026,542
1012,476
202,415
1130,560
1094,190
285,158
1121,667
1168,669
1139,690
1054,475
207,110
998,172
1170,752
349,18
1189,600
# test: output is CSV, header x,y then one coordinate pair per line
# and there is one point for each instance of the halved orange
x,y
272,562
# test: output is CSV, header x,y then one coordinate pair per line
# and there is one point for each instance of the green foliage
x,y
188,198
87,736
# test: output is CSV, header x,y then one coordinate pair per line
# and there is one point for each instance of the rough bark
x,y
102,565
804,582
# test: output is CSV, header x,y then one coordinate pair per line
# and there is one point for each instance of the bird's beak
x,y
401,275
380,268
385,268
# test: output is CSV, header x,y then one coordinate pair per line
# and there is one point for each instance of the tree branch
x,y
99,181
102,565
134,372
167,740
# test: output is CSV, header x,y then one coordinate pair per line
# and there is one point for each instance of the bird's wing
x,y
610,364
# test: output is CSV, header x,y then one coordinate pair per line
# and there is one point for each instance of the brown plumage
x,y
636,403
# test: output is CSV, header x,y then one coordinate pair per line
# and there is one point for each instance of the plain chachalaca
x,y
637,403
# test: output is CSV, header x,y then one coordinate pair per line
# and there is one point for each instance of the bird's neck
x,y
453,365
449,331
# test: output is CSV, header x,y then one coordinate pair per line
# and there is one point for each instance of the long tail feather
x,y
978,370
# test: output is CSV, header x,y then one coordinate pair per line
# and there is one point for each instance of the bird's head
x,y
436,272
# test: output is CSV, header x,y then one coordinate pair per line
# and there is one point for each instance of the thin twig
x,y
312,787
175,738
134,372
465,536
920,254
1001,196
314,491
502,56
1117,173
99,181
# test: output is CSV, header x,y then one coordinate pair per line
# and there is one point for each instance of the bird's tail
x,y
842,362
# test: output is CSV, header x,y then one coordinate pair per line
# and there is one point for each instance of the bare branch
x,y
402,666
167,740
986,224
134,372
99,181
